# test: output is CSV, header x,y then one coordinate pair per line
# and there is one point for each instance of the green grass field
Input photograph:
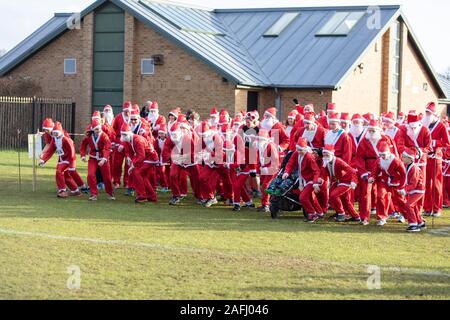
x,y
154,251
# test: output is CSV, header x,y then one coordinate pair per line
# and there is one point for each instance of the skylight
x,y
341,23
281,24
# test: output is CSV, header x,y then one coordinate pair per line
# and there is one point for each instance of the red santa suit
x,y
356,133
119,155
142,158
365,163
414,189
179,149
434,178
64,147
269,163
324,119
291,117
315,138
155,120
162,168
212,156
395,133
390,177
343,179
309,174
340,140
99,150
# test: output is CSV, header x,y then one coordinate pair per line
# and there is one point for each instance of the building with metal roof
x,y
359,57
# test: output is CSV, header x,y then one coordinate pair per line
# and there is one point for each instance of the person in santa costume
x,y
162,168
64,147
356,133
119,156
414,191
394,132
213,120
275,128
343,179
365,162
98,145
290,121
346,122
179,149
338,138
108,115
141,158
212,156
48,126
311,132
434,180
400,120
268,165
330,110
389,174
155,119
419,137
303,161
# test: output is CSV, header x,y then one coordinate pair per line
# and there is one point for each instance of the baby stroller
x,y
284,193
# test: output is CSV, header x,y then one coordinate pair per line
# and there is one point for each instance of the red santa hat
x,y
357,117
126,129
309,118
224,113
401,114
410,153
334,117
329,148
225,128
175,127
302,144
154,106
413,117
162,128
374,125
389,117
96,124
431,107
203,128
135,114
175,112
107,108
272,112
58,128
367,117
322,114
48,124
214,112
345,117
127,106
331,107
384,148
96,115
293,114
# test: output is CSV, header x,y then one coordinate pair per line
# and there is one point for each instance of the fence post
x,y
33,122
74,105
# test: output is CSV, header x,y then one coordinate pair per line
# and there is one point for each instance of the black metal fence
x,y
20,116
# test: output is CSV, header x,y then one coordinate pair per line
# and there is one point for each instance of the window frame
x,y
142,66
337,21
65,66
269,33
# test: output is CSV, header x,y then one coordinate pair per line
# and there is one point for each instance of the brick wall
x,y
317,97
183,80
47,67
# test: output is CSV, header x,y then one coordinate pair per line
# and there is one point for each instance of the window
x,y
147,66
70,66
341,23
281,24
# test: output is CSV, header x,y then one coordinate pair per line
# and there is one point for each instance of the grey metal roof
x,y
231,41
445,82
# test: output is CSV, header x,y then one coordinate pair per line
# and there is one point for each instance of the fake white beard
x,y
375,137
126,138
267,124
385,164
109,117
346,129
413,131
427,120
327,161
356,130
176,137
309,135
152,117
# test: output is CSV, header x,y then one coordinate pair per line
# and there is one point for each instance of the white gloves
x,y
353,185
402,192
83,159
130,170
41,163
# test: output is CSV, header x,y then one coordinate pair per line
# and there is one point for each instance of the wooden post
x,y
34,162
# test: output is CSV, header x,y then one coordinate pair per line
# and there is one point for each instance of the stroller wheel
x,y
274,210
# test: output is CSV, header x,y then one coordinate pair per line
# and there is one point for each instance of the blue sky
x,y
429,19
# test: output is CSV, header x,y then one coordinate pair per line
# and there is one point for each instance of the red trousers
x,y
433,184
64,178
446,191
76,177
414,208
141,179
265,182
208,182
323,198
163,176
92,177
239,189
308,200
340,200
178,180
385,194
365,199
119,158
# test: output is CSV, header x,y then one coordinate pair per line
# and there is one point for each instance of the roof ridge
x,y
311,8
